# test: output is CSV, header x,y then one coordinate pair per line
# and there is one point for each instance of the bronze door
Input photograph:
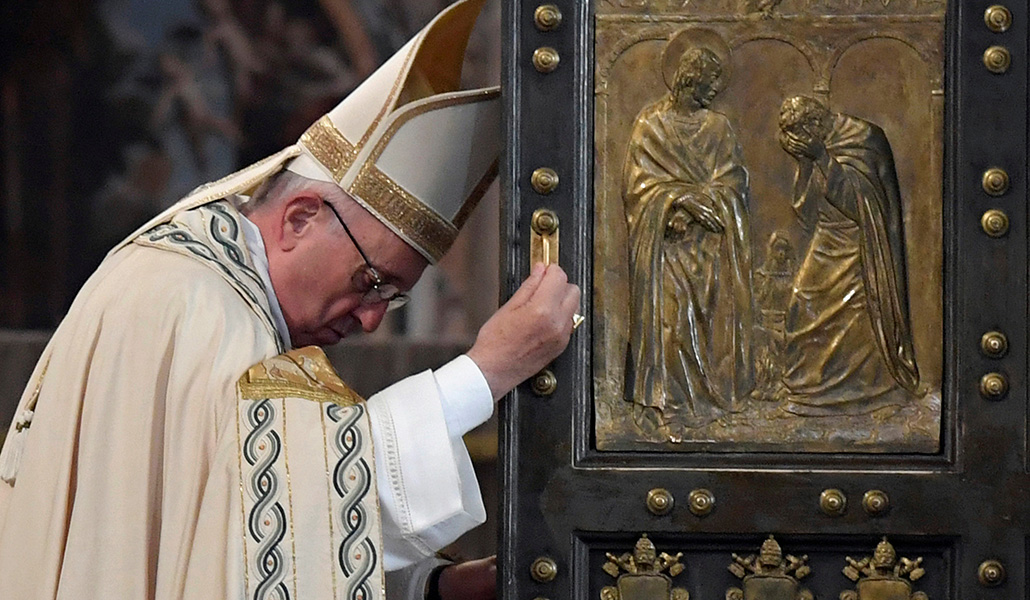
x,y
800,228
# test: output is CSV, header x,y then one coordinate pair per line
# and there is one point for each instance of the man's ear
x,y
298,218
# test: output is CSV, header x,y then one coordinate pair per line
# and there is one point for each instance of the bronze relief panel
x,y
768,225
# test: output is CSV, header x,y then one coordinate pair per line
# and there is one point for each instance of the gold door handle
x,y
543,244
543,241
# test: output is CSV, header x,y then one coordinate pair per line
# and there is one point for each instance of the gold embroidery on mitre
x,y
435,104
391,98
397,94
325,142
301,373
419,223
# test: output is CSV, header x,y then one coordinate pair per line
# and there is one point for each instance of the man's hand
x,y
529,331
801,146
699,206
791,144
678,224
472,580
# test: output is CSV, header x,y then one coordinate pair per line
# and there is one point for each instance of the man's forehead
x,y
396,261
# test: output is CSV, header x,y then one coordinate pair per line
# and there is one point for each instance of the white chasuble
x,y
136,479
311,528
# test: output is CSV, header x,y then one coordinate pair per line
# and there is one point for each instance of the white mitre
x,y
407,144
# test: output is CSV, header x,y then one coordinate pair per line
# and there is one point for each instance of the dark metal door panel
x,y
571,499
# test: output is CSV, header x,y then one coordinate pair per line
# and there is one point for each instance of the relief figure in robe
x,y
686,196
848,339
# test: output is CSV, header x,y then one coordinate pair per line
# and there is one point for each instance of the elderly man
x,y
848,338
176,440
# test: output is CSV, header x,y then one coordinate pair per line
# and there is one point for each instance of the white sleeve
x,y
428,492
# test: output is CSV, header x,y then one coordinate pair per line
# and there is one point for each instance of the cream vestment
x,y
130,485
135,467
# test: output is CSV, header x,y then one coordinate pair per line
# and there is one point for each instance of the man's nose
x,y
370,315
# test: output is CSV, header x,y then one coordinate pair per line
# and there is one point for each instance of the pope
x,y
183,436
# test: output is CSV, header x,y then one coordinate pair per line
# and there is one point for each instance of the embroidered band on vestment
x,y
326,143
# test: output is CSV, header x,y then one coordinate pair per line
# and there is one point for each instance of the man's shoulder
x,y
160,268
154,279
854,133
717,119
853,127
654,110
300,373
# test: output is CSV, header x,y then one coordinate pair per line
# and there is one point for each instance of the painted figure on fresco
x,y
686,195
848,338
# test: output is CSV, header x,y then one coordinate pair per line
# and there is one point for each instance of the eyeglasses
x,y
368,277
